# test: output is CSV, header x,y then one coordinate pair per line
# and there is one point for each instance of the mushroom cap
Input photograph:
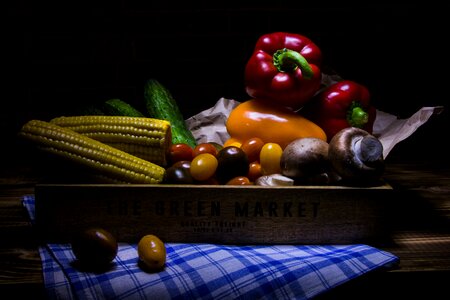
x,y
356,155
304,157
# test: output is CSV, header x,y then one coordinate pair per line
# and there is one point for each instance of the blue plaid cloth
x,y
211,271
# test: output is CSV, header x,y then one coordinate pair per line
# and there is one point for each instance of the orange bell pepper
x,y
271,123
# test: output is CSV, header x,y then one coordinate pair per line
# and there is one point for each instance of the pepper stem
x,y
286,60
356,116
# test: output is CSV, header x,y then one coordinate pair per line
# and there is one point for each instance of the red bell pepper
x,y
284,68
341,105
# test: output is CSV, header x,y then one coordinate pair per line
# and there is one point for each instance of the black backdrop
x,y
63,56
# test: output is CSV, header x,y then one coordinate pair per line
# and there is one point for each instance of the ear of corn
x,y
147,138
112,164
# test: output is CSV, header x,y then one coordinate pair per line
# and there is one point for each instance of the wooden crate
x,y
216,214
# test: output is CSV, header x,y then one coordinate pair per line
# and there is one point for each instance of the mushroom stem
x,y
368,149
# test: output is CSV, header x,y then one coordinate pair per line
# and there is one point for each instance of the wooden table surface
x,y
420,236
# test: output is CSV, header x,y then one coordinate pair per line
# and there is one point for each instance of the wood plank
x,y
219,214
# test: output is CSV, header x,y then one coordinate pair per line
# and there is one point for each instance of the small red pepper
x,y
284,68
341,105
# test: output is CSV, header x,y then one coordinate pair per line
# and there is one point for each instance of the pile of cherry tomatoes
x,y
229,164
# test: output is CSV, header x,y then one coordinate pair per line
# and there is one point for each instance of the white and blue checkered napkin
x,y
211,271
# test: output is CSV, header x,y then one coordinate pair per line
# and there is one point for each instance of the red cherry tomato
x,y
252,147
179,152
239,180
205,148
254,171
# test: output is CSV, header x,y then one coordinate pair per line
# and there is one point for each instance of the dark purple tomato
x,y
232,162
178,175
94,247
183,164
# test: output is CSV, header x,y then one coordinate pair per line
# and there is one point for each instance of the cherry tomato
x,y
252,147
203,166
232,162
186,164
94,247
178,174
236,144
232,142
179,152
270,157
152,253
239,180
217,145
254,171
205,148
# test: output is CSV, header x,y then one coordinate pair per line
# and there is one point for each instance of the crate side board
x,y
229,215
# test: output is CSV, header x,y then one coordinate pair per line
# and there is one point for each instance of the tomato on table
x,y
94,247
152,253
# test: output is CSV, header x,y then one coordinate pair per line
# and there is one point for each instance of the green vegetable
x,y
117,107
160,104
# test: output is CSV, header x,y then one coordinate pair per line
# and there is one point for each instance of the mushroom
x,y
274,180
356,155
304,158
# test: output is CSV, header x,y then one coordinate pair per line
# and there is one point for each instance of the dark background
x,y
60,56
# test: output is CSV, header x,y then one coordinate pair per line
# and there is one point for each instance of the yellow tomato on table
x,y
152,253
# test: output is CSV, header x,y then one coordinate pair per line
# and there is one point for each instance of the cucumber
x,y
160,104
117,107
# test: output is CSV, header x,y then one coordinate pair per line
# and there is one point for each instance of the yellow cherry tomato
x,y
232,142
269,158
203,166
152,252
